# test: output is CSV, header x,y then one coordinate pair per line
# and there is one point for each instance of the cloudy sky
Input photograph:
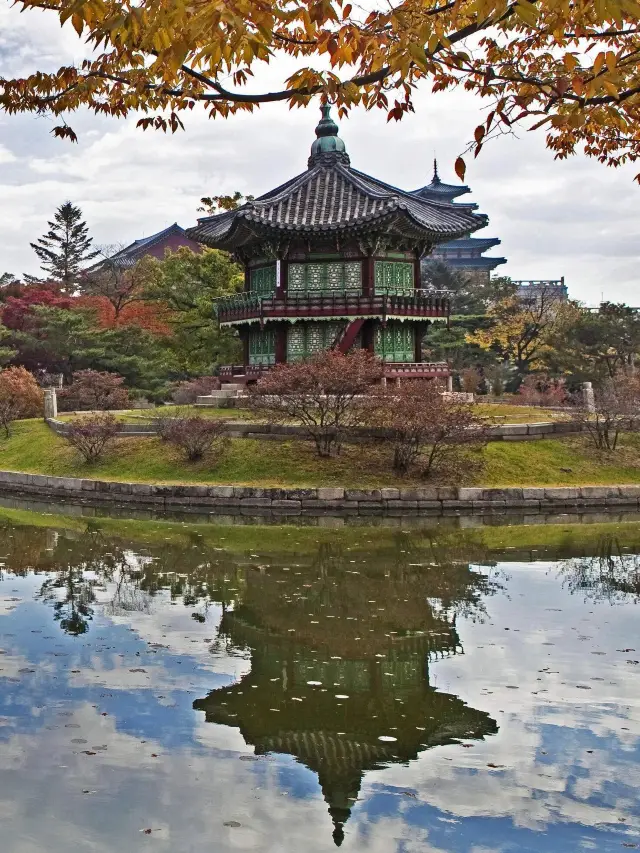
x,y
575,219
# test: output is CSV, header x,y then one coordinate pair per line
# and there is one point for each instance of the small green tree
x,y
65,248
188,283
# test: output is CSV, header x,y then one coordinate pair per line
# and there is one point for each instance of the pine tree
x,y
64,248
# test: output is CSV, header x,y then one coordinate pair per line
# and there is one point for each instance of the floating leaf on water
x,y
387,738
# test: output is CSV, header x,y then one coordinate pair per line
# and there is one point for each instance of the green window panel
x,y
262,346
325,277
306,339
263,280
395,342
394,277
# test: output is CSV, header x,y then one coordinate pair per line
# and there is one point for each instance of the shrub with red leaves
x,y
323,394
94,390
20,397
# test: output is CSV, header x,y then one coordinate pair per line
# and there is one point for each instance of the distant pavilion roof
x,y
331,198
439,191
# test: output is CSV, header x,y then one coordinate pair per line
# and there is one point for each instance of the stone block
x,y
629,491
445,493
362,494
298,494
221,491
330,494
508,495
540,429
286,504
561,494
318,504
533,494
88,485
469,494
489,505
248,492
598,491
514,429
390,494
399,504
255,502
371,505
225,502
430,506
454,504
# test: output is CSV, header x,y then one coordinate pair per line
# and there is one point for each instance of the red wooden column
x,y
281,343
368,276
244,337
283,280
417,273
420,332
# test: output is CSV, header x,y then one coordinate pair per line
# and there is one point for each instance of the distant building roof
x,y
439,191
132,253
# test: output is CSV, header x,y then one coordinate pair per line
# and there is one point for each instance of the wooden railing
x,y
390,369
253,306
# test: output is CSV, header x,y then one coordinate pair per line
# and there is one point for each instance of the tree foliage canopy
x,y
571,67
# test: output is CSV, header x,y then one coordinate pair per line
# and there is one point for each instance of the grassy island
x,y
571,460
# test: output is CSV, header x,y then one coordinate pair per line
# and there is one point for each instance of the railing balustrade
x,y
250,305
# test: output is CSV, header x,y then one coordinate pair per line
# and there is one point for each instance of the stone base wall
x,y
285,432
246,500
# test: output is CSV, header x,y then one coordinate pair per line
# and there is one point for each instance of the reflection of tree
x,y
72,596
611,574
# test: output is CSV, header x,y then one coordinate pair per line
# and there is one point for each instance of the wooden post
x,y
368,340
417,273
247,278
420,331
244,336
281,343
282,285
368,276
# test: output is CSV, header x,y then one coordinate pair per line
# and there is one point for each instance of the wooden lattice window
x,y
394,277
262,346
305,339
325,277
263,280
395,342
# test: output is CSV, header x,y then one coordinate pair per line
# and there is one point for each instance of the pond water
x,y
169,687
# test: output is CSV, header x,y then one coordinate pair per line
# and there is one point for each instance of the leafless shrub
x,y
197,437
92,435
428,430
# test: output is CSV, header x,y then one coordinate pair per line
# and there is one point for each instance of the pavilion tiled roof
x,y
332,197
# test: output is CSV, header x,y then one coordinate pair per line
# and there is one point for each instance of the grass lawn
x,y
138,416
499,413
503,413
34,448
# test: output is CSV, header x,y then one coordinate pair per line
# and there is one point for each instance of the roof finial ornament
x,y
436,176
328,146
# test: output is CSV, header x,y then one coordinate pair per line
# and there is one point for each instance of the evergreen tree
x,y
64,248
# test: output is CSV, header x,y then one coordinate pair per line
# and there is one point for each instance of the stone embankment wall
x,y
245,500
284,432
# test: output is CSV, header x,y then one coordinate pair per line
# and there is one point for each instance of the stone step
x,y
215,397
232,386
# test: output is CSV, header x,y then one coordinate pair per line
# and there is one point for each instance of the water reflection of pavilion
x,y
327,688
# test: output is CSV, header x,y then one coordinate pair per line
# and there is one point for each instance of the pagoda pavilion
x,y
465,253
332,261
